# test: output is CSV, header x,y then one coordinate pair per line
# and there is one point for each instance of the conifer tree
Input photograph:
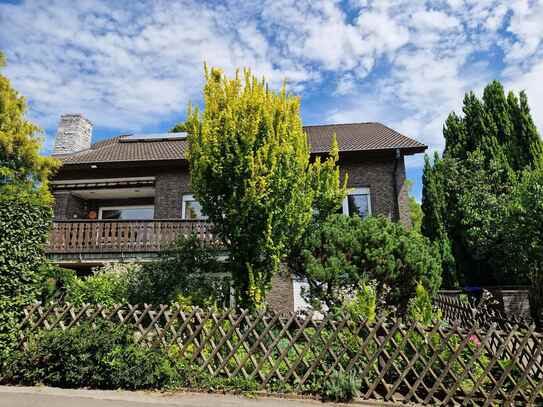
x,y
464,194
251,172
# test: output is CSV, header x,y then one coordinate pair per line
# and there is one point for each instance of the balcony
x,y
109,238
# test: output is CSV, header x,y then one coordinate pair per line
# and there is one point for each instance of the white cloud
x,y
407,63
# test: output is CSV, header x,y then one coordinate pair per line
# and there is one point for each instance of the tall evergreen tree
x,y
434,208
464,193
526,146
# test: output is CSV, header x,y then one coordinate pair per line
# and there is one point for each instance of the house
x,y
127,197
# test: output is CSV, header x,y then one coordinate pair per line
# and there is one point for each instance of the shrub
x,y
107,285
342,251
24,223
188,273
134,367
341,387
421,309
363,304
55,283
68,358
102,357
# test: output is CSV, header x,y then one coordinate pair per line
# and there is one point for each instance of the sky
x,y
133,66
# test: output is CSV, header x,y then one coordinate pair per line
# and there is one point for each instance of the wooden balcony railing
x,y
110,236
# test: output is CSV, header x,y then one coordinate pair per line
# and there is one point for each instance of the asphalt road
x,y
52,397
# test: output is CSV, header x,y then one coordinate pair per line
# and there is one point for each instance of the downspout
x,y
397,157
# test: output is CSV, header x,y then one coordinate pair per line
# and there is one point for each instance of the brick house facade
x,y
148,173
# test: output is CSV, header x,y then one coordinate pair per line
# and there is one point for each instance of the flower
x,y
475,340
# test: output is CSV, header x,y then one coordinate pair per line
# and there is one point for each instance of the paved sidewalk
x,y
53,397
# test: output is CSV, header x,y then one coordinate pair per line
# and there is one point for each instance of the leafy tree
x,y
251,171
22,168
524,227
344,252
25,214
466,192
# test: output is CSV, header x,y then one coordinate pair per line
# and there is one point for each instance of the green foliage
x,y
189,273
104,356
107,285
134,367
415,210
24,213
22,169
363,304
251,171
523,226
421,309
466,193
180,127
343,251
55,282
24,223
342,387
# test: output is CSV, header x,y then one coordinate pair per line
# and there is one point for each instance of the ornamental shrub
x,y
108,285
24,223
341,252
189,273
104,356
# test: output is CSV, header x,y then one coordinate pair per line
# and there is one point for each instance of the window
x,y
127,212
357,202
192,210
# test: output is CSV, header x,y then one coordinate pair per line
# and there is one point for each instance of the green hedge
x,y
104,356
24,222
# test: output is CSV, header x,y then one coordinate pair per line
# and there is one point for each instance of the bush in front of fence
x,y
104,357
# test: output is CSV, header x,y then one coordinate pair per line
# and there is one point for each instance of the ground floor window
x,y
192,210
127,212
357,202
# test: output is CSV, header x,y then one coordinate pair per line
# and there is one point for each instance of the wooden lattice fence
x,y
453,309
394,360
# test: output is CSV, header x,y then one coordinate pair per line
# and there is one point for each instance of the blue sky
x,y
133,66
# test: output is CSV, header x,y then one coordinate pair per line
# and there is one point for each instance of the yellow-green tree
x,y
252,173
22,168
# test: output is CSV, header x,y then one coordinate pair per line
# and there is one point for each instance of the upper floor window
x,y
192,210
357,202
127,212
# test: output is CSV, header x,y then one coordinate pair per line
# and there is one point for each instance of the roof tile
x,y
350,137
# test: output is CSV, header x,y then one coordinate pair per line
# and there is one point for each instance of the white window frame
x,y
187,198
108,208
356,191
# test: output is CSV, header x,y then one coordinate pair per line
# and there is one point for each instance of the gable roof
x,y
350,137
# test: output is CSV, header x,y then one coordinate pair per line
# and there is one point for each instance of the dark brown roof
x,y
350,137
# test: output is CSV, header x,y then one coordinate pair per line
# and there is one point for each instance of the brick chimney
x,y
74,134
